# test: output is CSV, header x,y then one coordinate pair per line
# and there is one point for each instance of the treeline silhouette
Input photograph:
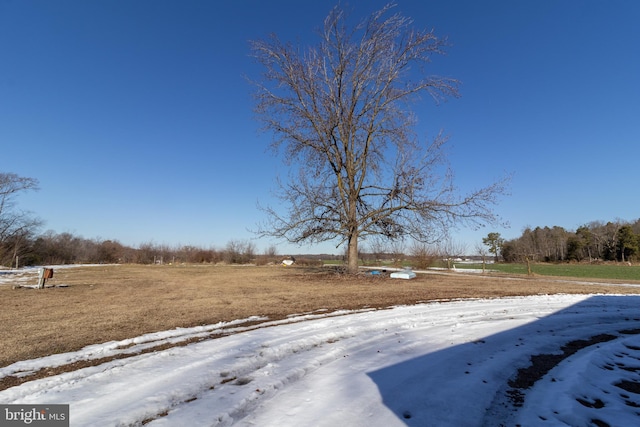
x,y
53,248
595,241
66,248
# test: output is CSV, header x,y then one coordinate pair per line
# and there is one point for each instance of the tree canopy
x,y
494,241
611,241
339,110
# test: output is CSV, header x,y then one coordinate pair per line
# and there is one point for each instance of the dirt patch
x,y
630,386
541,364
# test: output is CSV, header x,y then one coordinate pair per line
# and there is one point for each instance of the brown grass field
x,y
115,302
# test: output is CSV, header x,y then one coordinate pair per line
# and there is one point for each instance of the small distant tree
x,y
608,236
269,255
586,241
494,241
422,255
627,243
450,250
239,252
110,251
233,252
248,252
482,251
146,253
575,247
16,227
271,251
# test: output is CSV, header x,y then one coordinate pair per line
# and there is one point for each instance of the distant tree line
x,y
66,248
595,241
51,248
20,243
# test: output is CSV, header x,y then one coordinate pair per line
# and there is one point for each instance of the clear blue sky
x,y
137,120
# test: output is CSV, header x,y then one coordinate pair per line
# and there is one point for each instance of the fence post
x,y
41,278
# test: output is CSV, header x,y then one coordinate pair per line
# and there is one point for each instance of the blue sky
x,y
136,117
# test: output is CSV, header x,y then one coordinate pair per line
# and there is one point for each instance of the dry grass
x,y
117,302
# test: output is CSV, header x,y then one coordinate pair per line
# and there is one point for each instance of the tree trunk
x,y
352,254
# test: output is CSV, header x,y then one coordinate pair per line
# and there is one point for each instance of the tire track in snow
x,y
241,379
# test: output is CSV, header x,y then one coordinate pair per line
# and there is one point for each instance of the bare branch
x,y
15,225
339,111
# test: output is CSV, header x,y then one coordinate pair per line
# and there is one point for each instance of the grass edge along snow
x,y
258,375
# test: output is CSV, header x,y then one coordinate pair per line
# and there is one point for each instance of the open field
x,y
115,302
591,271
604,271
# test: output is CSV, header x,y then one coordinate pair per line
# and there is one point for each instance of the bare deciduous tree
x,y
339,111
422,255
450,251
16,227
239,251
482,251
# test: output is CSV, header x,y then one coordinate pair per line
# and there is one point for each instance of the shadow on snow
x,y
475,383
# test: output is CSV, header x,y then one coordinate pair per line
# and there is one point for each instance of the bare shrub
x,y
269,256
239,252
309,262
196,255
422,255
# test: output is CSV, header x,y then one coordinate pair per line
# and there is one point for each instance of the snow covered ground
x,y
28,276
436,364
